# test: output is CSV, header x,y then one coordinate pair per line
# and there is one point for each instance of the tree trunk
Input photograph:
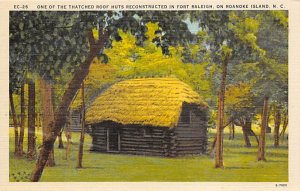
x,y
250,131
277,121
51,161
284,126
231,131
246,136
80,152
262,138
31,120
60,114
215,139
60,141
38,121
48,115
14,116
22,126
68,136
220,119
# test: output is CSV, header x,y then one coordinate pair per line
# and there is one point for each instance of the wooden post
x,y
80,152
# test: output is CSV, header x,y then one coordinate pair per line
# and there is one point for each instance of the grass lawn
x,y
240,165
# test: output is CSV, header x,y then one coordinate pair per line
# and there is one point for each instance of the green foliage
x,y
128,60
20,176
239,101
132,61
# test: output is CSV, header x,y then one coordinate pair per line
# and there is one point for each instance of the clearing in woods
x,y
240,165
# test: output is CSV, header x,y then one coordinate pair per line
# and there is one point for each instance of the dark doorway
x,y
113,137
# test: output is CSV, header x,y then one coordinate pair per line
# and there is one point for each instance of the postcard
x,y
131,95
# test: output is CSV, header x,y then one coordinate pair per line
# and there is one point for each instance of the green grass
x,y
240,165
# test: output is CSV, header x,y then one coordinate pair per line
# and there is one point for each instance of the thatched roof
x,y
147,101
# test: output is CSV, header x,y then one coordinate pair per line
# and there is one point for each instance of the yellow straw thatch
x,y
148,101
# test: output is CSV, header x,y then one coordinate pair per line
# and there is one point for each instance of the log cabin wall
x,y
135,140
99,136
188,138
191,132
144,141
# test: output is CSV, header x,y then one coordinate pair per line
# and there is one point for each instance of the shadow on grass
x,y
281,147
90,167
268,153
280,155
244,152
237,167
276,161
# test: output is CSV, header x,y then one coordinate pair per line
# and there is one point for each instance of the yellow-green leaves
x,y
245,29
152,27
226,51
281,17
238,97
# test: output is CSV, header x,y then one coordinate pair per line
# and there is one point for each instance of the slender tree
x,y
13,113
277,122
68,134
284,126
22,125
31,120
60,141
231,132
262,138
220,120
231,42
48,115
81,142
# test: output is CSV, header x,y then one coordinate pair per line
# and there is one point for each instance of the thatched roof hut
x,y
156,103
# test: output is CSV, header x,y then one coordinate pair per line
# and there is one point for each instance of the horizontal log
x,y
200,149
141,133
140,144
133,142
125,149
189,154
189,136
142,129
191,145
201,133
143,138
143,153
